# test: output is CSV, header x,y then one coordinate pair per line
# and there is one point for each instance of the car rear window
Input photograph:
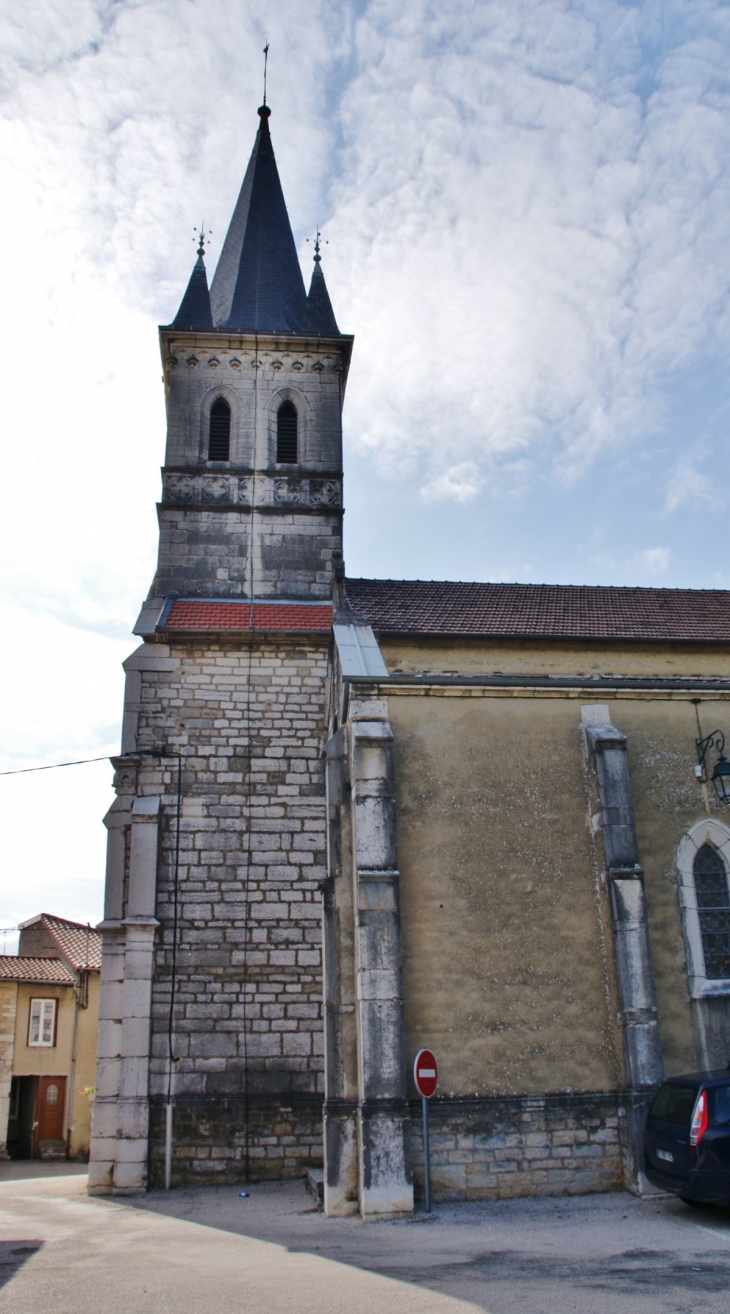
x,y
719,1110
674,1104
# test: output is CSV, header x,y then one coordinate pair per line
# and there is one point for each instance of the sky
x,y
526,205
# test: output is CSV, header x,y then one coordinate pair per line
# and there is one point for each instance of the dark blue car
x,y
687,1138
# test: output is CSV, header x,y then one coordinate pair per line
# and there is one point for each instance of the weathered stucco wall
x,y
551,657
38,1060
506,934
8,1000
85,1074
508,959
667,801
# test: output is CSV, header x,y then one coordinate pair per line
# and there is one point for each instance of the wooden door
x,y
50,1108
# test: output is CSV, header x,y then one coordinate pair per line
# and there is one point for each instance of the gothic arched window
x,y
219,432
713,911
286,434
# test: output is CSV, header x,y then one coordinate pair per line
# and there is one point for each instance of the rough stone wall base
x,y
209,1139
529,1145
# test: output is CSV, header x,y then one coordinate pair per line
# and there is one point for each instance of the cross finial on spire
x,y
202,237
317,246
266,61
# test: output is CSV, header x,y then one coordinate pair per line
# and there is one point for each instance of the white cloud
x,y
688,484
656,560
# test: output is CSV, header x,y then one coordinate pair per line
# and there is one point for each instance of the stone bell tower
x,y
255,373
210,1049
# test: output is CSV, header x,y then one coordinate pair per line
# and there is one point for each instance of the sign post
x,y
426,1077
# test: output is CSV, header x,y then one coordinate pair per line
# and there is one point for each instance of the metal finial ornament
x,y
266,61
202,238
317,246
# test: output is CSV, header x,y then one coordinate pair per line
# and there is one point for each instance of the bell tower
x,y
255,373
211,1049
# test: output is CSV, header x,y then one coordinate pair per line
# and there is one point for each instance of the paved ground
x,y
206,1251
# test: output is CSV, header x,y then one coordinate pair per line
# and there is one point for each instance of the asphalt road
x,y
207,1251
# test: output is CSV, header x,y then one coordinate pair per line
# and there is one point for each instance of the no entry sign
x,y
425,1073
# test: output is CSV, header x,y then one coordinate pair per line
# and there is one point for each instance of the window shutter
x,y
286,434
219,434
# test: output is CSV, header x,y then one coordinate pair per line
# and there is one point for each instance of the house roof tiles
x,y
43,971
80,945
543,611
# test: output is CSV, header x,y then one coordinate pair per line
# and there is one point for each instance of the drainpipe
x,y
70,1118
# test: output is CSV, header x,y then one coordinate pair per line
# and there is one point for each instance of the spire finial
x,y
202,237
317,246
266,61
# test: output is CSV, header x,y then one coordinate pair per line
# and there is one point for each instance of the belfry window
x,y
286,434
713,911
219,433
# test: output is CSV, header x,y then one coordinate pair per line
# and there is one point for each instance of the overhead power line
x,y
54,766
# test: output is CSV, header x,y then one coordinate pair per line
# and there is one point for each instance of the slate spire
x,y
194,312
258,285
320,315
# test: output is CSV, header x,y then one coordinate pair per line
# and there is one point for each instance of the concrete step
x,y
314,1182
49,1150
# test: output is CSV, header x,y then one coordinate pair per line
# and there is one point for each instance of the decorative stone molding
x,y
213,363
276,364
217,488
297,365
318,367
235,490
125,775
235,364
179,488
290,491
324,492
193,362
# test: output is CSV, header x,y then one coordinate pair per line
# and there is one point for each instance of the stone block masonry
x,y
247,1017
501,1147
280,1134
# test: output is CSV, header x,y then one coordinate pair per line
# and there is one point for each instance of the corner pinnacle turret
x,y
258,285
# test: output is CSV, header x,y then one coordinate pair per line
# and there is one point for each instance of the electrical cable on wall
x,y
249,789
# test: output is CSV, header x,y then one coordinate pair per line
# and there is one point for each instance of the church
x,y
355,817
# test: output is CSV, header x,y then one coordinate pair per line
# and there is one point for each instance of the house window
x,y
286,434
713,911
219,433
42,1029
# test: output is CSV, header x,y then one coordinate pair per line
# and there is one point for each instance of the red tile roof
x,y
41,971
189,614
543,611
80,945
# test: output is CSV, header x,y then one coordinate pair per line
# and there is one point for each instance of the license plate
x,y
664,1154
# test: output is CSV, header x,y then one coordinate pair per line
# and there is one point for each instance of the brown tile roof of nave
x,y
40,971
80,945
542,610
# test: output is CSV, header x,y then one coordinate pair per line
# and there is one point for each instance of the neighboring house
x,y
49,1018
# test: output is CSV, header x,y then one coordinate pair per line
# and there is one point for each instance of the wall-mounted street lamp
x,y
720,776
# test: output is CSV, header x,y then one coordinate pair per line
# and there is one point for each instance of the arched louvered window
x,y
286,434
713,911
219,433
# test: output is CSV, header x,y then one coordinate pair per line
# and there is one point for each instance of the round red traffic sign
x,y
425,1073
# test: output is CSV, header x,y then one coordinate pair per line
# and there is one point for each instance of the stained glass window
x,y
713,909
